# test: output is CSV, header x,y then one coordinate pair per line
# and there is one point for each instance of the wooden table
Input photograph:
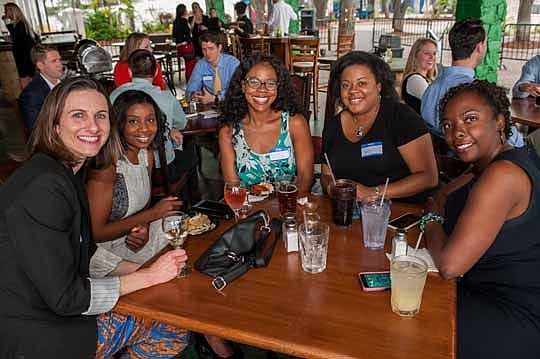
x,y
524,111
198,125
323,315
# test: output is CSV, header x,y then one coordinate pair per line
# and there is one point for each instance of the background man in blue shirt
x,y
468,44
212,74
529,82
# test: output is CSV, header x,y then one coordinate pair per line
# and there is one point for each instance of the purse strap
x,y
260,258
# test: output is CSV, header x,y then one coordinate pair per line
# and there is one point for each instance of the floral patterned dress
x,y
253,168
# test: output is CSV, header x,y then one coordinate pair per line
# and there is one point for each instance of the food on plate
x,y
262,189
199,222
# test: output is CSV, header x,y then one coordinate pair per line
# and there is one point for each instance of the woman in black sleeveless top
x,y
419,73
490,236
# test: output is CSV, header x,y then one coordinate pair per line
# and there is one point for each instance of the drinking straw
x,y
330,168
384,191
418,241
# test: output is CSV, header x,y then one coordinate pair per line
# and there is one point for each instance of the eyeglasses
x,y
255,83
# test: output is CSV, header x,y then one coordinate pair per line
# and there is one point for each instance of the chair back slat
x,y
251,46
345,44
302,85
303,50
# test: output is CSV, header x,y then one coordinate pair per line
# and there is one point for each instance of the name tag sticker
x,y
279,153
372,149
207,78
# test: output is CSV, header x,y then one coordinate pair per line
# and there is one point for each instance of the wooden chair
x,y
344,46
251,46
169,52
234,46
302,85
161,187
303,59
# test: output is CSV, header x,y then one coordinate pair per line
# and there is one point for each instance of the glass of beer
x,y
287,193
408,276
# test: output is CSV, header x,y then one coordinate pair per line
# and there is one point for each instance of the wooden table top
x,y
524,111
324,315
198,124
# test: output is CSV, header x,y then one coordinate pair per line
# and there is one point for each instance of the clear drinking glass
x,y
175,228
235,195
408,276
313,246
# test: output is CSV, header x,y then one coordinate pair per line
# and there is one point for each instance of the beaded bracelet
x,y
430,217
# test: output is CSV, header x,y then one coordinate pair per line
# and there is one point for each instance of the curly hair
x,y
494,96
235,106
380,69
119,117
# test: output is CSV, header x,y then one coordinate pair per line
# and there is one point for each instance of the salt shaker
x,y
290,232
399,244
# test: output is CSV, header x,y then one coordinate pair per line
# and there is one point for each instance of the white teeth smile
x,y
464,146
355,101
143,139
89,138
260,100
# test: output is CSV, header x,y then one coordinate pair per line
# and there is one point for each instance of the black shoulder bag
x,y
240,248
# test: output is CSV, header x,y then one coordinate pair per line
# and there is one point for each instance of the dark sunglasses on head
x,y
255,83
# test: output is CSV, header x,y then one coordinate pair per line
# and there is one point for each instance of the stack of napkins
x,y
420,253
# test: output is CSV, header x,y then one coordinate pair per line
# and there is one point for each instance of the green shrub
x,y
102,24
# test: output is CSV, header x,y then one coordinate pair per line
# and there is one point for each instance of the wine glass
x,y
235,195
175,225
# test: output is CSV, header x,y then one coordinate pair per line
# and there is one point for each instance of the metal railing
x,y
412,29
520,42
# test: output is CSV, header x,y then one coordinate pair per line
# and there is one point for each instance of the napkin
x,y
420,253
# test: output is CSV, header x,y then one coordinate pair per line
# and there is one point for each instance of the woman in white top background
x,y
420,72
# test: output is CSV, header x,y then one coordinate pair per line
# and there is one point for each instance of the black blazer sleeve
x,y
42,227
181,31
31,100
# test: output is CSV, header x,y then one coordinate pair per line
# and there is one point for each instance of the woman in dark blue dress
x,y
490,236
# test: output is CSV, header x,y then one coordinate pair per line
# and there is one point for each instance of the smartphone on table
x,y
405,221
374,281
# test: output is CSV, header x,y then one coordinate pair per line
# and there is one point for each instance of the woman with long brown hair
x,y
52,304
23,39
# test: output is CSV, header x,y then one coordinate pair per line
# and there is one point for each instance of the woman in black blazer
x,y
50,305
23,39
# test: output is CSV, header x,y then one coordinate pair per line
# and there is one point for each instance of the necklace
x,y
359,128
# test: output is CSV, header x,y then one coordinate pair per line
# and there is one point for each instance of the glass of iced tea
x,y
235,195
174,226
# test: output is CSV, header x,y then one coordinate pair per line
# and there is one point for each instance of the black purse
x,y
241,247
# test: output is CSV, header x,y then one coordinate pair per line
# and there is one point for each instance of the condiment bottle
x,y
388,56
399,243
290,232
